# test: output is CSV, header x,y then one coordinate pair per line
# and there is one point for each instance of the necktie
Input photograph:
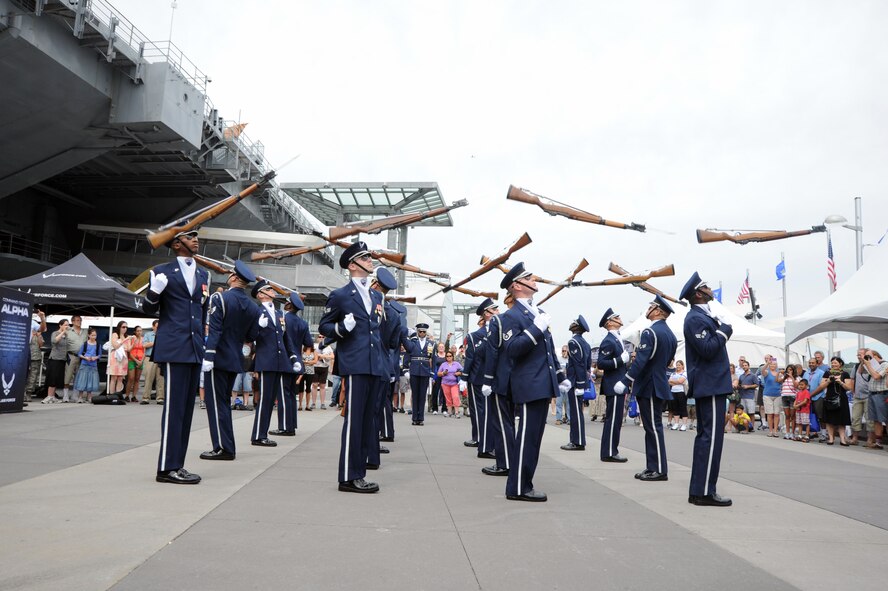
x,y
364,281
188,262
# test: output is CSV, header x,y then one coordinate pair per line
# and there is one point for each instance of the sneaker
x,y
323,407
444,413
674,426
49,399
202,404
312,406
683,428
434,412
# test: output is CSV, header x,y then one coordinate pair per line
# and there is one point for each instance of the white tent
x,y
859,306
748,340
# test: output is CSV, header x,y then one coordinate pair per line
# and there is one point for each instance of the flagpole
x,y
783,281
831,333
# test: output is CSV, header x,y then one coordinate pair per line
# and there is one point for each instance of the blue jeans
x,y
560,406
334,391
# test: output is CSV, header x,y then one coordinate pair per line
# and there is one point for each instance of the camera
x,y
868,357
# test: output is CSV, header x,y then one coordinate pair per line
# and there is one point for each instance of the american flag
x,y
744,291
830,263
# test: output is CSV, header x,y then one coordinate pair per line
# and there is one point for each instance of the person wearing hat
x,y
393,331
500,419
650,384
527,372
579,364
706,336
272,363
422,366
612,360
178,291
352,318
473,374
231,316
297,336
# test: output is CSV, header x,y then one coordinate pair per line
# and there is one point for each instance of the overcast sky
x,y
677,115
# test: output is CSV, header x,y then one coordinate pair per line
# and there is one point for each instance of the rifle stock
x,y
665,271
213,264
478,294
184,224
401,298
567,282
644,286
522,241
388,255
413,269
391,222
281,253
706,236
555,208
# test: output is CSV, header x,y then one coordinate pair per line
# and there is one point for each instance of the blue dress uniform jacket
x,y
579,362
500,416
611,363
297,336
647,374
180,335
392,333
535,370
271,351
709,373
359,351
496,367
473,372
422,357
231,316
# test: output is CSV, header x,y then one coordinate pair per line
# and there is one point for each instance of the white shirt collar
x,y
357,282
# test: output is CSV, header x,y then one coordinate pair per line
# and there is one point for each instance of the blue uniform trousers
x,y
386,414
217,397
500,424
287,418
708,444
575,412
419,388
482,407
358,435
613,423
380,388
472,403
271,384
525,451
651,411
181,383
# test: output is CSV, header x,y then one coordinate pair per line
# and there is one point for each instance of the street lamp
x,y
857,227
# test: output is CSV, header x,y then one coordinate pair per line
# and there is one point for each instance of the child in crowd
x,y
86,382
741,421
803,411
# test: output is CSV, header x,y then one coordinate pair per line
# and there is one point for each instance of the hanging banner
x,y
15,333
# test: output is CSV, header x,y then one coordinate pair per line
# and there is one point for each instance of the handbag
x,y
120,354
832,402
815,424
633,409
590,393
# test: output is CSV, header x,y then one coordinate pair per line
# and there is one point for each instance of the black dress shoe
x,y
486,455
531,495
217,454
264,442
281,433
358,486
653,477
713,500
387,439
373,466
573,447
615,458
420,423
414,423
383,450
401,410
180,476
638,475
495,471
470,443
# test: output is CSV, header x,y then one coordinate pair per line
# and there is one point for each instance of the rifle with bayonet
x,y
476,294
644,286
191,221
665,271
389,223
567,282
522,241
226,267
537,278
412,269
282,253
554,208
401,298
705,236
379,255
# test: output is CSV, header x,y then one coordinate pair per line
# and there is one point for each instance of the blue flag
x,y
781,270
717,293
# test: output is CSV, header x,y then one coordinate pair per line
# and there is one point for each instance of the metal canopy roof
x,y
333,203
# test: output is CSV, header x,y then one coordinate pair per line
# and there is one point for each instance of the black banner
x,y
15,334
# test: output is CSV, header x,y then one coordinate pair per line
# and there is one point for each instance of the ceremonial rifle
x,y
282,253
615,268
522,241
537,278
554,208
191,221
582,265
402,298
477,294
389,223
225,268
665,271
389,255
704,236
412,269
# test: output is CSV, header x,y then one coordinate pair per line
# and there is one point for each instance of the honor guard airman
x,y
297,336
533,378
272,362
393,331
422,365
501,412
650,384
579,364
709,383
231,316
178,292
612,360
352,318
473,372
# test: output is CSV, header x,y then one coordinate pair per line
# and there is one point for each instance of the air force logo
x,y
701,335
7,386
508,335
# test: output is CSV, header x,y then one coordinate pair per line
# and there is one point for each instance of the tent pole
x,y
110,352
783,281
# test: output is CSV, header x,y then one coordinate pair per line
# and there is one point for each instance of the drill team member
x,y
650,384
612,360
482,437
579,363
232,316
501,415
178,292
352,319
422,366
392,331
296,337
272,362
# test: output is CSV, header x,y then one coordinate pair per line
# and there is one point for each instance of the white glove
x,y
542,321
563,389
411,333
619,388
578,391
206,366
392,380
486,390
158,282
349,322
565,384
297,367
263,321
625,357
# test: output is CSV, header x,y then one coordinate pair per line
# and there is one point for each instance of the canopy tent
x,y
748,340
77,283
858,306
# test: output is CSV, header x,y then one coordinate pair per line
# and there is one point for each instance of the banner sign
x,y
15,334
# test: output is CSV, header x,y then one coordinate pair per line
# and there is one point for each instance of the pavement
x,y
81,511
